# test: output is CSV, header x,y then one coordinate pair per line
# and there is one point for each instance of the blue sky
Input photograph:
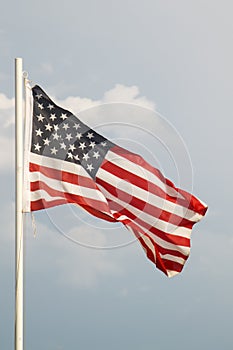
x,y
173,57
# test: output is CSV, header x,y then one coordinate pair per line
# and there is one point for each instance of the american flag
x,y
68,162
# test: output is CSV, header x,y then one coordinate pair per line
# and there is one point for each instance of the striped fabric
x,y
119,187
160,215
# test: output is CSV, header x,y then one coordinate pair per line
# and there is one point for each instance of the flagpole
x,y
18,204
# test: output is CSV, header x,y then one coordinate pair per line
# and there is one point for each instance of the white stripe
x,y
171,273
67,187
146,196
58,164
173,258
41,194
183,250
147,242
154,222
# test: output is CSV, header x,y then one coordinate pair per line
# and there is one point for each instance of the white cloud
x,y
6,153
46,67
82,267
77,104
119,94
75,265
5,102
127,94
6,132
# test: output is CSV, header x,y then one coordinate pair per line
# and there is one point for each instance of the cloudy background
x,y
116,62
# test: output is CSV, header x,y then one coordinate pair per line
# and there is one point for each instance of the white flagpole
x,y
18,204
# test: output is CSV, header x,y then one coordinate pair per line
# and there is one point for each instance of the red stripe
x,y
64,176
148,251
99,214
190,201
43,204
194,203
172,265
144,206
136,159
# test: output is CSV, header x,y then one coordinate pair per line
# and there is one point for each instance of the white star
x,y
46,141
76,157
90,167
85,156
40,118
65,126
63,145
76,126
68,137
70,155
40,105
104,144
92,144
39,132
37,147
72,148
90,135
50,107
48,127
38,96
63,116
56,127
79,135
53,117
82,145
56,136
53,150
96,155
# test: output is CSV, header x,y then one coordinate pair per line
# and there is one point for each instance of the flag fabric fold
x,y
68,162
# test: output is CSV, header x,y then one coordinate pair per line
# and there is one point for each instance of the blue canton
x,y
57,133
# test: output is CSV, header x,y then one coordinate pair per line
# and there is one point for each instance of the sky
x,y
155,76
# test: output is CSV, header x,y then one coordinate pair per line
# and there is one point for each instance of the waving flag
x,y
68,162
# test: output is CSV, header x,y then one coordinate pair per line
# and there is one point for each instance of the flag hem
x,y
27,144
